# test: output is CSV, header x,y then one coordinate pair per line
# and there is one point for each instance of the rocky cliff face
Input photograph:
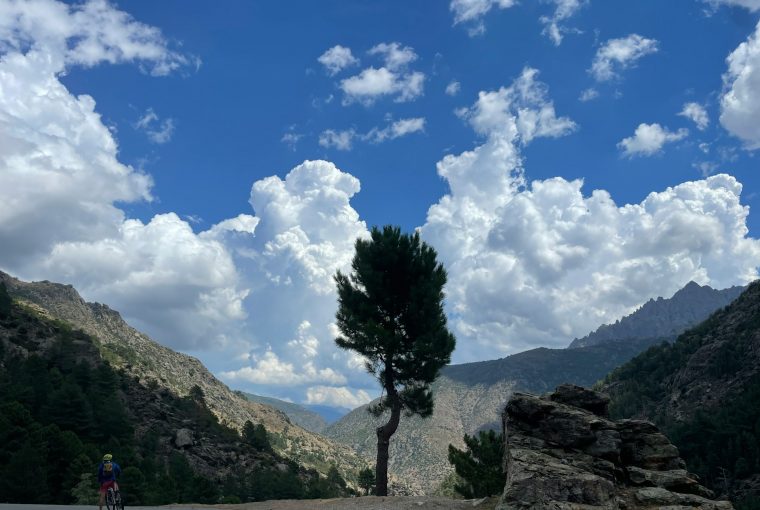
x,y
664,318
563,452
151,362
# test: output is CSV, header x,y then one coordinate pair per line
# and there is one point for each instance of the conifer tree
x,y
479,465
391,312
5,301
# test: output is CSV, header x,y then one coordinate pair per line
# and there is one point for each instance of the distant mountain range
x,y
664,318
471,396
311,417
151,363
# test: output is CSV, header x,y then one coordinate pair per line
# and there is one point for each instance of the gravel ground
x,y
364,503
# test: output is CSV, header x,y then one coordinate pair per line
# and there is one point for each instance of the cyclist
x,y
108,470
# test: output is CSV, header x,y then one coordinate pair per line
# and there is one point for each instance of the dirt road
x,y
364,503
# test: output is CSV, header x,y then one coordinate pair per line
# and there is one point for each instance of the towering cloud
x,y
538,263
61,181
740,104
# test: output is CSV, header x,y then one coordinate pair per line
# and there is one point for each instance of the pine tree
x,y
5,302
367,480
391,312
479,465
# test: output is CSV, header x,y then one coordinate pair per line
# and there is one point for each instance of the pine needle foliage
x,y
391,313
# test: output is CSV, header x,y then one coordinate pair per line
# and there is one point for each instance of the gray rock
x,y
676,480
649,450
562,456
183,438
535,478
579,396
659,497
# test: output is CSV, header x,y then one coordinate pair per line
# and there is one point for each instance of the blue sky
x,y
206,171
260,76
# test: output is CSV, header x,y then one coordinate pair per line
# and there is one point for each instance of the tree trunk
x,y
384,434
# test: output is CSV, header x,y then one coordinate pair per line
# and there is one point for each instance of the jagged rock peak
x,y
561,452
664,318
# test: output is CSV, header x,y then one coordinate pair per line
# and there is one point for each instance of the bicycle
x,y
113,500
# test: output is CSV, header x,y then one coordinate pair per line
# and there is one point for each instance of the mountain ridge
x,y
311,417
138,354
664,317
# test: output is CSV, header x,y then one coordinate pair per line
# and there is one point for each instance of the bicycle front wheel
x,y
110,500
118,502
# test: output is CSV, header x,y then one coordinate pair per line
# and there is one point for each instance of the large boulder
x,y
183,438
562,452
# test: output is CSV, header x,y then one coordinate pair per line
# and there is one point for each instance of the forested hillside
x,y
62,407
704,390
141,357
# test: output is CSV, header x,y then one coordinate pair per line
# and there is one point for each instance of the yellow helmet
x,y
107,457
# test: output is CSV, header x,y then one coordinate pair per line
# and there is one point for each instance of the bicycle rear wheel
x,y
110,499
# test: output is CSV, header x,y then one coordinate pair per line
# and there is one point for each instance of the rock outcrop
x,y
563,452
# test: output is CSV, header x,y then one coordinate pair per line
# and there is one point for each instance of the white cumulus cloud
x,y
649,139
61,182
306,232
397,129
337,58
271,370
588,95
752,5
538,263
453,88
86,34
393,79
341,140
472,11
616,55
564,10
395,55
523,106
337,396
155,129
696,113
740,103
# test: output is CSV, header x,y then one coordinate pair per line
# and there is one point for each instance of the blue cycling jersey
x,y
107,477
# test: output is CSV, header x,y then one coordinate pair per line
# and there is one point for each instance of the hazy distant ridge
x,y
664,318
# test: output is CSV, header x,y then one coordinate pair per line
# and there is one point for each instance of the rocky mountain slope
x,y
150,362
62,406
471,396
298,414
664,318
704,391
562,451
